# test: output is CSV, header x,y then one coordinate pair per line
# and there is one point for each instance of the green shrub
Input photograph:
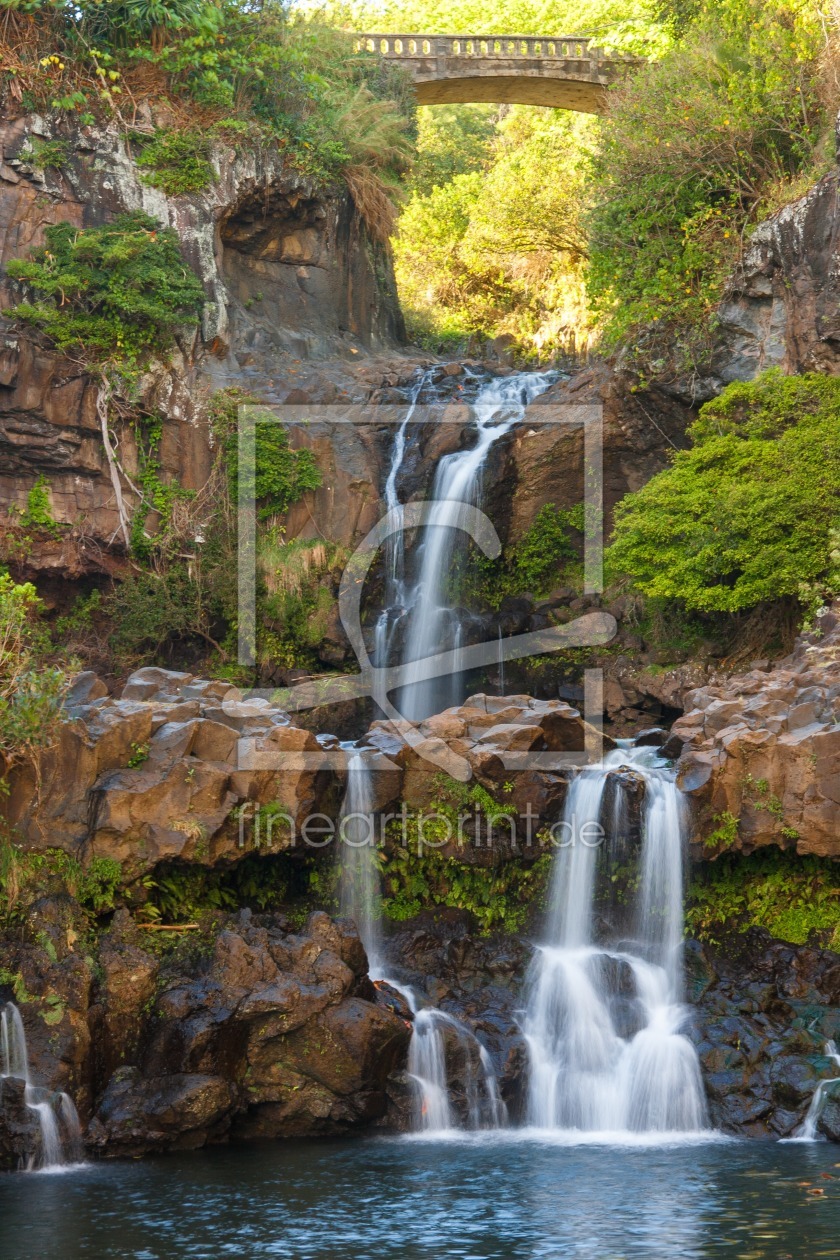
x,y
281,475
151,609
26,875
178,893
113,294
536,563
177,162
31,692
45,154
750,514
38,514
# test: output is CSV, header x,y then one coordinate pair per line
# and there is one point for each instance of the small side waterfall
x,y
438,1037
359,891
809,1131
603,1024
57,1118
435,1032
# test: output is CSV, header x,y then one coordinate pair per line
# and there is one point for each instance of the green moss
x,y
796,899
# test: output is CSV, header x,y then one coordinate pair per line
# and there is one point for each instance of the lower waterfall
x,y
603,1023
60,1133
435,1032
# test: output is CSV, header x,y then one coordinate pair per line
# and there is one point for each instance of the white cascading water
x,y
359,888
434,1112
360,900
431,625
57,1117
498,406
808,1131
603,1024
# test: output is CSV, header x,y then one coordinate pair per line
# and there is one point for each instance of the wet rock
x,y
141,1116
762,1011
829,1122
268,1032
20,1135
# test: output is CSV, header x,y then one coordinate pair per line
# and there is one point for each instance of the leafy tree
x,y
451,140
751,513
499,249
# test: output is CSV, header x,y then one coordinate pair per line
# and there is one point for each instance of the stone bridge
x,y
567,72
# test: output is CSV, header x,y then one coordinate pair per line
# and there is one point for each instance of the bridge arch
x,y
565,72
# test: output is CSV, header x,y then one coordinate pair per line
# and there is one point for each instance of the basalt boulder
x,y
763,749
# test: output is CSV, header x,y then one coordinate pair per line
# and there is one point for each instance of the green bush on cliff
x,y
176,161
109,295
750,513
250,73
532,566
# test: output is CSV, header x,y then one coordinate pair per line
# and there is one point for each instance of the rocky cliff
x,y
290,274
763,749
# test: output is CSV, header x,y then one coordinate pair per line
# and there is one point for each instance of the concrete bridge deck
x,y
566,72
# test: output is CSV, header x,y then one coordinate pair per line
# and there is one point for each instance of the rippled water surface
x,y
476,1200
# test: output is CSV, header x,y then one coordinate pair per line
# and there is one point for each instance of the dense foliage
x,y
113,294
497,248
696,148
645,211
31,691
750,514
535,565
794,898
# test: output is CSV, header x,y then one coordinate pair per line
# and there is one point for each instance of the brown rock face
x,y
177,767
289,274
159,776
544,463
274,1035
764,747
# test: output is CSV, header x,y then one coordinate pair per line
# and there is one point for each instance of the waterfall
x,y
603,1023
808,1130
57,1118
435,1032
359,890
431,624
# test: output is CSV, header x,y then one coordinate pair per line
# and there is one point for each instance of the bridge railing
x,y
560,48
